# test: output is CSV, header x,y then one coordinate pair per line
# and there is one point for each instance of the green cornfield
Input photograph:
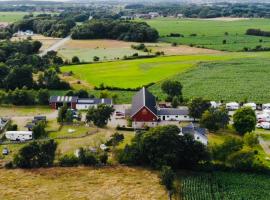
x,y
225,186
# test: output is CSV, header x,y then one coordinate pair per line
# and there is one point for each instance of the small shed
x,y
58,101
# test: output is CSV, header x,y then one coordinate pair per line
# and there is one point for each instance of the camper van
x,y
232,106
19,135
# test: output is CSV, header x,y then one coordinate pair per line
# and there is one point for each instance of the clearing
x,y
211,33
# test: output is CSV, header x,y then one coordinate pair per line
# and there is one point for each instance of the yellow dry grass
x,y
118,183
181,50
92,44
46,41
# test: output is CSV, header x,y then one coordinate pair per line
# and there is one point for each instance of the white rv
x,y
232,106
19,135
266,106
251,105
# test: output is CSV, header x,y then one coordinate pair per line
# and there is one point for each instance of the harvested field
x,y
180,50
81,183
46,41
104,49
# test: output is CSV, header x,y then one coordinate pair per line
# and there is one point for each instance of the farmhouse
x,y
146,112
76,102
85,104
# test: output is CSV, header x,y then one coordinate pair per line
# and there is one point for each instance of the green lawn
x,y
14,16
135,73
211,33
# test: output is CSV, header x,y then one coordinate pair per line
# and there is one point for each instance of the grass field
x,y
14,16
81,183
135,73
104,49
211,33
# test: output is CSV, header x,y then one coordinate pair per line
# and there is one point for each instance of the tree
x,y
75,60
229,146
175,102
197,107
172,89
214,119
69,116
116,138
36,154
242,160
167,178
244,120
100,115
96,59
251,139
62,113
39,130
164,146
43,96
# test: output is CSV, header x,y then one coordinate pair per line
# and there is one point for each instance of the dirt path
x,y
265,145
56,46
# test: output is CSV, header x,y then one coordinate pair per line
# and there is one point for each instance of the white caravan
x,y
232,106
19,135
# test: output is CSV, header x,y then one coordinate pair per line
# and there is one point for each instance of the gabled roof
x,y
143,98
173,111
94,101
63,99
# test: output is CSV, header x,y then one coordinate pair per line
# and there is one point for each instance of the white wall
x,y
175,118
143,124
84,106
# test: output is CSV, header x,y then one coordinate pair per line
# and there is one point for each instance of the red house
x,y
144,109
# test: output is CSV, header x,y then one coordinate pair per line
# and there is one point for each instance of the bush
x,y
9,165
103,158
251,139
68,161
36,154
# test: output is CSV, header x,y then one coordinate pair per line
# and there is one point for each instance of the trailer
x,y
19,135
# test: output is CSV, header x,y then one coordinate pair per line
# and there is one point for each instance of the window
x,y
176,116
185,116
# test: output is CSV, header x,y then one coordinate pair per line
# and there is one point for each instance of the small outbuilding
x,y
58,101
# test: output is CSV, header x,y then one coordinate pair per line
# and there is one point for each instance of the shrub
x,y
103,158
68,161
251,139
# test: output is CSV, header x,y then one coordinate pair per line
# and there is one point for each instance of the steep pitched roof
x,y
141,99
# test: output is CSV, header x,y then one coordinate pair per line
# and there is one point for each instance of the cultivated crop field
x,y
233,80
211,33
225,185
135,73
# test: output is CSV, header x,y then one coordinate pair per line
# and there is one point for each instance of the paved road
x,y
56,46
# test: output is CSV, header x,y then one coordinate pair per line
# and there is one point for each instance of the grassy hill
x,y
211,33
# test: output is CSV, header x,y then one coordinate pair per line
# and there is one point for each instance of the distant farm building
x,y
77,103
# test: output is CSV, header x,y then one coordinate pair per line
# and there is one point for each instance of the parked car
x,y
232,106
264,125
5,151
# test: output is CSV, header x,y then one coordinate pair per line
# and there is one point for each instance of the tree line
x,y
202,10
115,29
258,32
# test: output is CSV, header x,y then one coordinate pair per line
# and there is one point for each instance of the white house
x,y
199,134
232,106
174,114
251,105
19,135
85,104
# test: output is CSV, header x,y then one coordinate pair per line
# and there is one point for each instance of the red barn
x,y
58,101
144,109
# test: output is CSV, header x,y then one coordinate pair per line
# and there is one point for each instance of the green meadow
x,y
211,33
136,73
